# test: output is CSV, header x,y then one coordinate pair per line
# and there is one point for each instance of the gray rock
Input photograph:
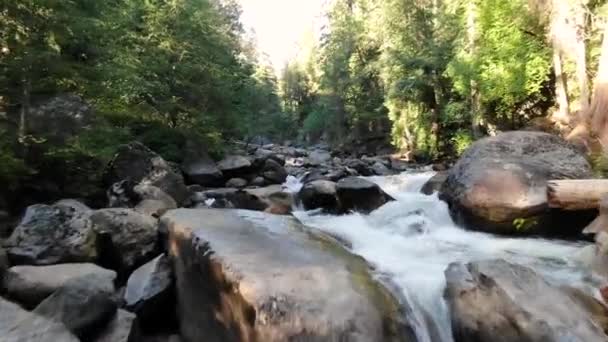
x,y
150,192
274,172
502,180
434,184
122,328
501,302
380,169
138,164
51,234
129,238
30,285
150,294
18,325
258,181
234,166
83,305
199,168
237,183
319,157
276,200
232,282
319,194
358,194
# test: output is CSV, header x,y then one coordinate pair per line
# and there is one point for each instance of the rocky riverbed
x,y
282,243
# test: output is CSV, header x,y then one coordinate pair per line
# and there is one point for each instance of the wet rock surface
x,y
245,276
83,305
127,238
499,184
18,325
150,294
30,285
360,195
502,302
50,234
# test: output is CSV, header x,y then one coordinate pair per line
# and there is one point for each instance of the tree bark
x,y
598,111
474,96
576,194
581,54
561,88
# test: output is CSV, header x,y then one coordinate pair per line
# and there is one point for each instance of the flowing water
x,y
412,240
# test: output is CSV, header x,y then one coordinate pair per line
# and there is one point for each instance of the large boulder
x,y
273,172
199,168
136,163
499,184
83,305
18,325
51,234
150,294
249,276
495,301
358,194
127,238
319,194
235,166
30,285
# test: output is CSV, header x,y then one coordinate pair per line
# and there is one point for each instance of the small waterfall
x,y
412,240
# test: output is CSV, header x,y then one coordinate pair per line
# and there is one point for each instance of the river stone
x,y
154,193
250,276
319,194
358,194
234,166
237,183
136,163
434,184
277,201
495,301
83,305
274,172
499,184
18,325
30,285
199,168
318,157
74,204
122,328
149,293
128,238
51,234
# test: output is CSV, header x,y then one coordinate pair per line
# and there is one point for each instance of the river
x,y
412,240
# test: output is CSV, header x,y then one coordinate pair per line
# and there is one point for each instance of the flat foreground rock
x,y
249,276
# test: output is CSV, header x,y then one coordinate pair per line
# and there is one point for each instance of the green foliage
x,y
461,140
12,169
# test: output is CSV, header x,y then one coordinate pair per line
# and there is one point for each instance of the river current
x,y
412,240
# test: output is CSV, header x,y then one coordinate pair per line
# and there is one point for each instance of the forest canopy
x,y
428,76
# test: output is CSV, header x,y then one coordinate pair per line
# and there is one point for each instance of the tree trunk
x,y
581,55
576,194
598,111
561,89
474,97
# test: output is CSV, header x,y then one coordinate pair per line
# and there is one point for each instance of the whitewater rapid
x,y
412,240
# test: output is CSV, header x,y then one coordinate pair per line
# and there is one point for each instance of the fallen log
x,y
578,194
600,224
